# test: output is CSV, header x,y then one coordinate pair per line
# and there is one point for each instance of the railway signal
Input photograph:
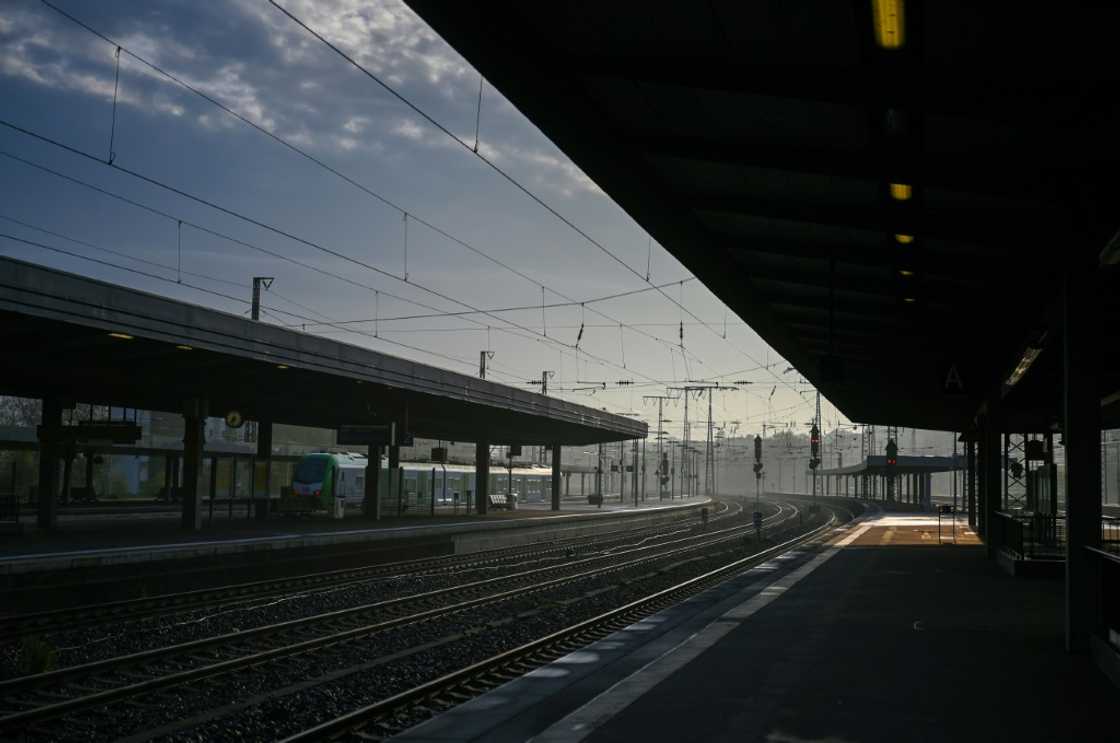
x,y
892,453
814,447
757,483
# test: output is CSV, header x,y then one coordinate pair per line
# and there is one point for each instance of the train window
x,y
310,471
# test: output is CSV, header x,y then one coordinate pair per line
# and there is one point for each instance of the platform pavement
x,y
868,639
134,538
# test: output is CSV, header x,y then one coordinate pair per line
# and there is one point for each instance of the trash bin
x,y
339,508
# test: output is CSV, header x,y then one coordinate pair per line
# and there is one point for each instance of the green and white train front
x,y
321,479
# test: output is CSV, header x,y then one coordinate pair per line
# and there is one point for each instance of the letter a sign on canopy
x,y
954,383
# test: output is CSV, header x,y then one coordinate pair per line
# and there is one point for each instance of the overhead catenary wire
x,y
223,295
268,227
436,312
496,310
116,87
154,264
405,213
214,233
177,221
503,173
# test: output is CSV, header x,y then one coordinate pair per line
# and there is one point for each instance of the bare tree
x,y
20,411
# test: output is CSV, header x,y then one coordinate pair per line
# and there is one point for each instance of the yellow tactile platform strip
x,y
910,535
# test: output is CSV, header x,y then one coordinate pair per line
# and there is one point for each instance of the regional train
x,y
334,481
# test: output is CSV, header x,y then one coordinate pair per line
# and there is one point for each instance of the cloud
x,y
253,59
356,124
409,129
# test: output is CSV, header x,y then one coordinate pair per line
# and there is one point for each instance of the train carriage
x,y
334,481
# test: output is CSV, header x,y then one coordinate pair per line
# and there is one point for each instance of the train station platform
x,y
884,633
100,541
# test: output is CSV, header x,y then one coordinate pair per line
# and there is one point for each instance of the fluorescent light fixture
x,y
904,239
281,366
890,23
908,300
901,191
1110,254
122,336
1024,364
905,273
184,347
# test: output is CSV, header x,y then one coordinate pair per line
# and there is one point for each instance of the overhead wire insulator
x,y
579,335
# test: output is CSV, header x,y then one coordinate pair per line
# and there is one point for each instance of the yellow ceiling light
x,y
901,191
908,300
281,366
904,239
122,336
184,347
905,273
890,23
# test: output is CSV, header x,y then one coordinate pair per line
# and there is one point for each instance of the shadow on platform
x,y
892,639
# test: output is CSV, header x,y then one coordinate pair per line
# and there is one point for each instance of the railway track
x,y
393,714
90,615
30,700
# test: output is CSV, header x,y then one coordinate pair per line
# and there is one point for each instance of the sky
x,y
425,231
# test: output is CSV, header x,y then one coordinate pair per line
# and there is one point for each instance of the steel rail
x,y
21,625
362,716
55,678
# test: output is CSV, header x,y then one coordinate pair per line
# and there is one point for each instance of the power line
x,y
384,199
229,238
507,373
154,264
283,233
223,295
505,175
406,214
553,305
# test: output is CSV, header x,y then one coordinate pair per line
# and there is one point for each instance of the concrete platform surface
x,y
131,538
864,639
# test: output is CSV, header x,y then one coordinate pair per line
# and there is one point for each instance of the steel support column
x,y
1081,431
371,503
990,474
48,464
213,489
194,434
970,481
482,476
556,451
264,455
394,480
89,473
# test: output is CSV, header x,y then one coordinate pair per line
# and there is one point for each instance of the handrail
x,y
1102,553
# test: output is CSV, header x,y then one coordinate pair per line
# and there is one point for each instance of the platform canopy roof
x,y
758,141
55,329
877,465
